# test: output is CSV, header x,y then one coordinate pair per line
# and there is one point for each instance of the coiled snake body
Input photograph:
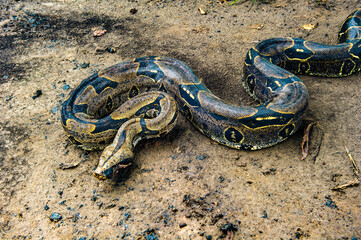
x,y
139,99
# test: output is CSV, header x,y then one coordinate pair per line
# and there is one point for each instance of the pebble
x,y
8,97
133,11
151,237
84,65
37,94
54,110
55,217
229,227
220,179
182,225
173,209
202,157
331,204
111,50
126,216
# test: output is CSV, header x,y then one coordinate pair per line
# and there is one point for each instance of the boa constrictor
x,y
139,99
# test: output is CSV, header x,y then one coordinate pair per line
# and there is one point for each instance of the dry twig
x,y
356,171
305,146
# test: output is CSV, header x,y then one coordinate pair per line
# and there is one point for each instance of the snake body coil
x,y
140,97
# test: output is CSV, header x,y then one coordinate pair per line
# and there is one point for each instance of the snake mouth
x,y
103,175
111,172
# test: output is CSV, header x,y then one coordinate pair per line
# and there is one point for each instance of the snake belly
x,y
138,99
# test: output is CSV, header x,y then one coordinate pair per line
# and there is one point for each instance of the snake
x,y
117,107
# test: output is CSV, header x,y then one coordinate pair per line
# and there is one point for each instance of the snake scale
x,y
139,99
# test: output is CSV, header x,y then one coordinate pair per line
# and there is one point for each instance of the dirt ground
x,y
183,186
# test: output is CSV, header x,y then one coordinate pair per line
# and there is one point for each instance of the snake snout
x,y
105,171
103,174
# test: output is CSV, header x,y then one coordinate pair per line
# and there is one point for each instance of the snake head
x,y
111,161
110,172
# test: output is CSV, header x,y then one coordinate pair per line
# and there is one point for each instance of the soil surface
x,y
182,186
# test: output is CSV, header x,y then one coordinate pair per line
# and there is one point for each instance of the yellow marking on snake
x,y
189,93
266,118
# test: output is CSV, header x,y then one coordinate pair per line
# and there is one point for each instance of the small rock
x,y
173,209
66,87
55,217
220,179
8,97
126,216
84,65
202,157
228,227
331,204
37,94
149,234
182,225
54,110
133,11
111,50
110,206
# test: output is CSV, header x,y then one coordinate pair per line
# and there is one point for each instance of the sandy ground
x,y
183,186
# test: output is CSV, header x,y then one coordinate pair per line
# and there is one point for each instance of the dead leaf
x,y
310,26
202,29
98,33
258,26
202,11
